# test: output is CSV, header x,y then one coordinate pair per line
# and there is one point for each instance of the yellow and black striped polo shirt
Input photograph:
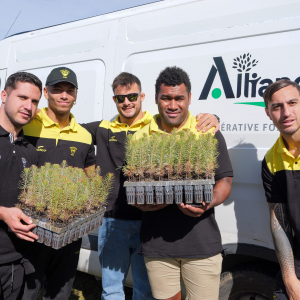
x,y
110,138
72,143
281,180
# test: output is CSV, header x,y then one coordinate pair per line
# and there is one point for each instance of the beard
x,y
11,116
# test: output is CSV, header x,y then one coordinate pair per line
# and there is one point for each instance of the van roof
x,y
22,32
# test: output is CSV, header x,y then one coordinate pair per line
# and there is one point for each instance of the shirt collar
x,y
281,148
154,126
43,117
20,137
145,120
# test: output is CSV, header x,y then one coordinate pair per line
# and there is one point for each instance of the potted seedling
x,y
63,201
163,168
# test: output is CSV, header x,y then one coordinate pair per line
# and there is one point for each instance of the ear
x,y
114,99
267,113
190,98
46,94
3,96
142,97
156,100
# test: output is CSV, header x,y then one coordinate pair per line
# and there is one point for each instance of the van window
x,y
90,77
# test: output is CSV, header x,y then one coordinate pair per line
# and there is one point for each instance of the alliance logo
x,y
247,84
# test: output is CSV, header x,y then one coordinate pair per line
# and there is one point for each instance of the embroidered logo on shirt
x,y
41,149
73,150
24,162
113,139
64,73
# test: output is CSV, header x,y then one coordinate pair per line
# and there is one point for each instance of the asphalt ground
x,y
86,287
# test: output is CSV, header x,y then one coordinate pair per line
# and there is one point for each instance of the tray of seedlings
x,y
170,168
63,201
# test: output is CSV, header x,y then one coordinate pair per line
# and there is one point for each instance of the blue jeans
x,y
118,247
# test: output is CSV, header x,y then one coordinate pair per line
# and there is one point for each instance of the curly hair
x,y
172,76
13,79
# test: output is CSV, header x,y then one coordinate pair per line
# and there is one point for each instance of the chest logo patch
x,y
73,150
113,139
41,149
24,161
64,73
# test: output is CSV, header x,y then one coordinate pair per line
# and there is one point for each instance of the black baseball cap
x,y
62,74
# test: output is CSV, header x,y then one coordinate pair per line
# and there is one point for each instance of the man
x,y
20,98
57,137
280,174
118,239
183,239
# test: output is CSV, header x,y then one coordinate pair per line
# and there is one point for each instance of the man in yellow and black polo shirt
x,y
183,240
281,179
119,241
57,137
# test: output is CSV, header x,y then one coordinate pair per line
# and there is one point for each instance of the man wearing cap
x,y
57,137
20,99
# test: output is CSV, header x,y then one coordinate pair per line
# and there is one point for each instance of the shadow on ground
x,y
86,287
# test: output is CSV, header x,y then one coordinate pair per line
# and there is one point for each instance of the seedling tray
x,y
58,235
168,192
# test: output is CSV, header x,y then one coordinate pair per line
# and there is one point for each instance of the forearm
x,y
221,191
2,212
282,238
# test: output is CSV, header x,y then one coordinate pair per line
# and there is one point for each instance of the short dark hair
x,y
126,79
13,79
276,86
172,76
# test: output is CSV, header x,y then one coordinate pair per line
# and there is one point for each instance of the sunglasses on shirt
x,y
131,97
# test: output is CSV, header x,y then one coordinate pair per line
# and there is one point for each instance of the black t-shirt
x,y
110,138
14,157
281,180
168,232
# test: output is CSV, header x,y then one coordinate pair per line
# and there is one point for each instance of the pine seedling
x,y
61,197
129,167
151,153
160,163
189,154
170,153
142,157
179,155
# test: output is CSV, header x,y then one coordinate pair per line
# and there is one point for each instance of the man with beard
x,y
183,240
118,238
281,174
57,137
20,98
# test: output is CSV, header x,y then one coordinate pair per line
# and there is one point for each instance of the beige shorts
x,y
201,276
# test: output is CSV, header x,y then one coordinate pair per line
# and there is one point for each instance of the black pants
x,y
11,280
55,269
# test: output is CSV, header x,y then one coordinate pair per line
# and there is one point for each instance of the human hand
x,y
12,217
292,285
208,121
150,207
193,211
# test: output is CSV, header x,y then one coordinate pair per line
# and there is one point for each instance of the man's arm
x,y
207,121
12,217
221,192
283,242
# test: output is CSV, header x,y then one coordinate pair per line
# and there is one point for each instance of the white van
x,y
232,51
